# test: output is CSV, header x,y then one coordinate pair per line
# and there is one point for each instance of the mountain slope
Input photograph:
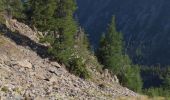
x,y
144,23
26,73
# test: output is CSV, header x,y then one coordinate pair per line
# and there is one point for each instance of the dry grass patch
x,y
142,98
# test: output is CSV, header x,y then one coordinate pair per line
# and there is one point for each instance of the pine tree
x,y
64,45
41,13
110,51
66,27
110,54
166,80
12,8
56,18
130,76
16,8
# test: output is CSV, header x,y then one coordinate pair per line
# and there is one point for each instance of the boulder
x,y
53,79
116,79
23,63
56,64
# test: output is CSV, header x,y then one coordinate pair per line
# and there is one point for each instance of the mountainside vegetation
x,y
144,24
55,18
68,44
110,54
145,30
156,81
12,8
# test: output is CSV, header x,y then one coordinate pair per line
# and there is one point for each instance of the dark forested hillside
x,y
144,23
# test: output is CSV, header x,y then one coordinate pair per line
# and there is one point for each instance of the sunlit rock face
x,y
144,23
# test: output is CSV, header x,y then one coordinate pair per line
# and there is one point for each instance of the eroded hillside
x,y
28,74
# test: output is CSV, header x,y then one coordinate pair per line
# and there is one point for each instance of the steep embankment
x,y
144,23
26,72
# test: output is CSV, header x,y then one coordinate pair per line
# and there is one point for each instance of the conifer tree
x,y
12,8
66,27
110,51
166,81
55,17
41,13
16,8
110,54
130,76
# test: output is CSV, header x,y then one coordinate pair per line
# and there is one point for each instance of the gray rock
x,y
52,79
24,63
116,79
56,64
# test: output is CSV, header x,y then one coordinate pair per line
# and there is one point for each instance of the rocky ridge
x,y
25,74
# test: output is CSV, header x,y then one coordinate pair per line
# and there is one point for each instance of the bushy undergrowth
x,y
73,60
77,67
154,92
2,20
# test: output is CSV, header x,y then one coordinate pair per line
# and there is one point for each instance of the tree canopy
x,y
110,53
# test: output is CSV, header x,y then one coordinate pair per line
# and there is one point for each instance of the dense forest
x,y
55,18
144,25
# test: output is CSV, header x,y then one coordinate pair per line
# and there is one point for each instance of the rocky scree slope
x,y
25,74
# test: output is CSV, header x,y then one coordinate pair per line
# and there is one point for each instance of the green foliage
x,y
110,51
16,8
1,7
78,68
49,38
56,18
2,20
166,79
41,13
111,55
153,92
61,52
166,82
12,8
162,79
130,76
52,15
5,89
1,12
